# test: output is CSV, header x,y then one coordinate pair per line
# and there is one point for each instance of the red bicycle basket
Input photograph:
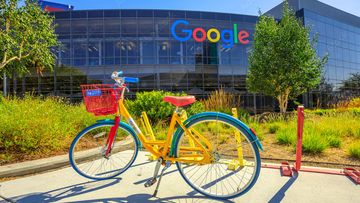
x,y
101,99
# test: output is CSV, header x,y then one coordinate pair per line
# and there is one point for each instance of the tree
x,y
26,37
283,63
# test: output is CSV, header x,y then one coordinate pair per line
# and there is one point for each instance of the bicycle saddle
x,y
179,101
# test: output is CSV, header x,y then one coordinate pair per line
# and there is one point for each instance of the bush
x,y
354,150
32,125
195,108
321,112
286,136
258,130
152,103
332,136
273,128
243,115
353,131
313,142
334,141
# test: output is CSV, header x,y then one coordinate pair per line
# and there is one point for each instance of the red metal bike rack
x,y
287,170
353,174
300,128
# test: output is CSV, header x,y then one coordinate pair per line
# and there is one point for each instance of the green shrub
x,y
327,132
332,136
322,112
355,111
258,130
152,103
273,128
195,108
313,142
333,141
32,125
353,131
243,115
354,150
286,136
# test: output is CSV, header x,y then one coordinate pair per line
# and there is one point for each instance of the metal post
x,y
5,88
300,127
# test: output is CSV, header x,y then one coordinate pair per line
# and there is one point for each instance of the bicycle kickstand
x,y
167,165
152,180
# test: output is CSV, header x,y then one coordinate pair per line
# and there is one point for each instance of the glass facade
x,y
140,43
341,43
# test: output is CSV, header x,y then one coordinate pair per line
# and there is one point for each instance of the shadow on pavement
x,y
281,193
144,180
139,198
65,192
61,195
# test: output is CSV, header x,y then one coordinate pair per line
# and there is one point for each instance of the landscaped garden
x,y
33,127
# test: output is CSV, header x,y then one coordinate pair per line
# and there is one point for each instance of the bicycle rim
x,y
88,149
228,175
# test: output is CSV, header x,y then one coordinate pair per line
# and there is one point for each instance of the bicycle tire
x,y
80,155
252,142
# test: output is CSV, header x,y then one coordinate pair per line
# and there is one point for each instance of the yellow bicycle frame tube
x,y
162,148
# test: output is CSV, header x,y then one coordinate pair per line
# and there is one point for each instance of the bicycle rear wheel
x,y
87,151
235,160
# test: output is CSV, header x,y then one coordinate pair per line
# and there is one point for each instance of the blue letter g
x,y
173,27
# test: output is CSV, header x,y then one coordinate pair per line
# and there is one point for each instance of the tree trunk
x,y
283,100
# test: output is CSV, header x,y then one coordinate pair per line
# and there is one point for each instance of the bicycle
x,y
215,153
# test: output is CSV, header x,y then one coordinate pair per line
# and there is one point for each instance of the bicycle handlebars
x,y
131,80
120,80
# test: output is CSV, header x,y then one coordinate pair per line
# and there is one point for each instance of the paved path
x,y
65,185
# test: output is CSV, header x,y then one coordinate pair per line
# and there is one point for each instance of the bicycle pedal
x,y
150,182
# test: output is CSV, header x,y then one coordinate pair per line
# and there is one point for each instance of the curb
x,y
35,166
41,165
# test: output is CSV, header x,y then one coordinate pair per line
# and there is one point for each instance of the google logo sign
x,y
228,37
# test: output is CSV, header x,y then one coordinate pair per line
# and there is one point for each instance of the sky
x,y
249,7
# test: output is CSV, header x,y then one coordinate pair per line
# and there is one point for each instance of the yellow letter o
x,y
217,38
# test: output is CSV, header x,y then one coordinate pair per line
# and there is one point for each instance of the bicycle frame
x,y
161,148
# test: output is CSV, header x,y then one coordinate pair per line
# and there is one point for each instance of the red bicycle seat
x,y
180,101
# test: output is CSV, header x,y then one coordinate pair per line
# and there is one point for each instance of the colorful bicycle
x,y
216,154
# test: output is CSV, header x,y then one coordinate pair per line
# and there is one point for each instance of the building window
x,y
94,53
163,48
147,52
129,52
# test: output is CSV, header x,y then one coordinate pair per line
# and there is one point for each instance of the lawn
x,y
330,136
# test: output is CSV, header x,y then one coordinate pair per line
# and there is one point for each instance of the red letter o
x,y
203,37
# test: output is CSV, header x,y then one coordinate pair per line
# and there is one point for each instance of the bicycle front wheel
x,y
87,151
234,164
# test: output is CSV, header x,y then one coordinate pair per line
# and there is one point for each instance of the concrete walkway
x,y
65,185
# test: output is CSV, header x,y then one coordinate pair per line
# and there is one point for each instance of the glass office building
x,y
175,51
338,37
